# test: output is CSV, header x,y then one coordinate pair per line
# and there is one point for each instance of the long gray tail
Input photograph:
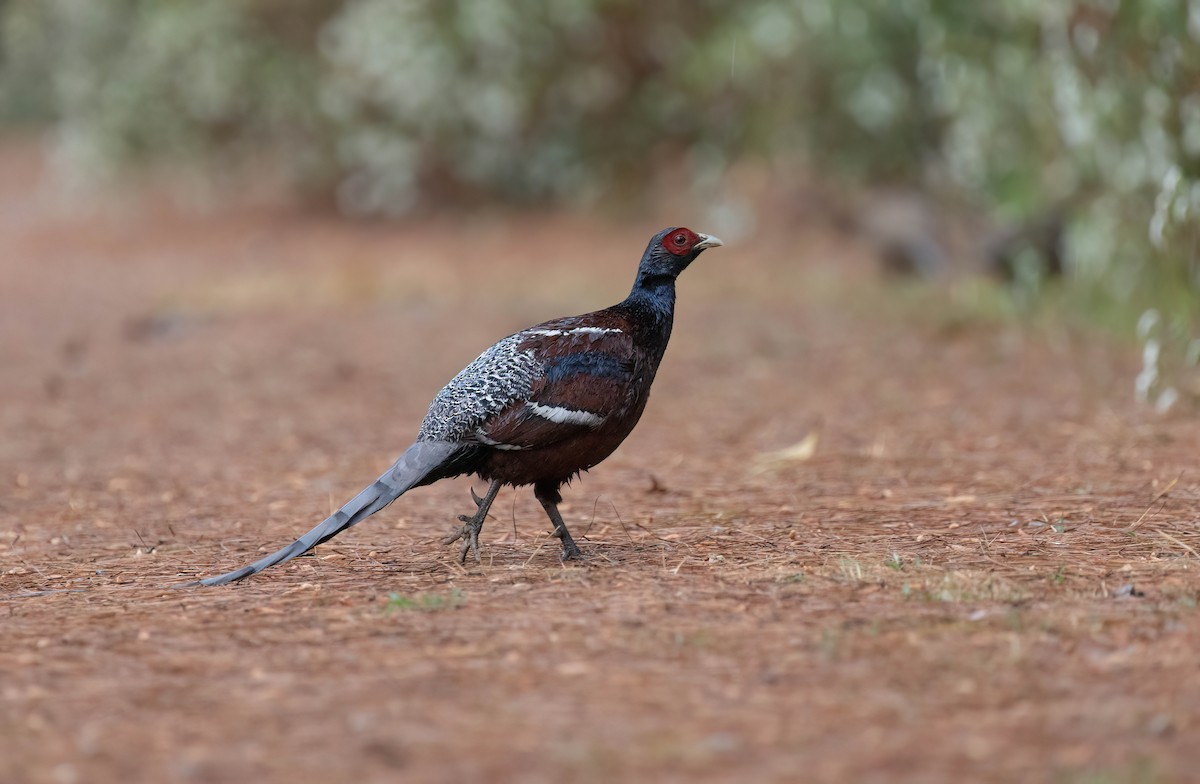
x,y
417,462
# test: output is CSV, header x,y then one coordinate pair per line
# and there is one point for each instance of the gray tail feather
x,y
417,462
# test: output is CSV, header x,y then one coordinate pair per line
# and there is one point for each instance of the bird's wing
x,y
579,376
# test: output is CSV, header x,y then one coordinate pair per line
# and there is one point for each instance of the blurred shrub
x,y
129,80
1014,109
388,101
1032,113
534,99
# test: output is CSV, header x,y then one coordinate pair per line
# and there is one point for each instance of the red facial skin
x,y
680,241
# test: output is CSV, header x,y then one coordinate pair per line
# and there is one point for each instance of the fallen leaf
x,y
796,453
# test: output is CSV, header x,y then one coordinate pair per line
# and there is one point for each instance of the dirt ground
x,y
860,534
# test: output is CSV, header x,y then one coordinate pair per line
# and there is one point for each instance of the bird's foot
x,y
469,533
570,550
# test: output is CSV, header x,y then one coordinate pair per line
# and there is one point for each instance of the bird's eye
x,y
680,239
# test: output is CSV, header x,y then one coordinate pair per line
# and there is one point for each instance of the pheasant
x,y
536,408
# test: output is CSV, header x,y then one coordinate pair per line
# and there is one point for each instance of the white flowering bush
x,y
127,80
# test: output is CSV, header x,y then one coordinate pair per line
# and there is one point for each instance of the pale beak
x,y
707,241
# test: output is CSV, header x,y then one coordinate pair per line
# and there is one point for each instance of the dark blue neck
x,y
657,292
652,304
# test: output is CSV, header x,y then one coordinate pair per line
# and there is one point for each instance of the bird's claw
x,y
478,501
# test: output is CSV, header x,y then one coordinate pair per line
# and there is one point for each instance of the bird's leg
x,y
469,534
549,498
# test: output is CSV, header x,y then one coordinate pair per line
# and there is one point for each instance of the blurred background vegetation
x,y
1061,138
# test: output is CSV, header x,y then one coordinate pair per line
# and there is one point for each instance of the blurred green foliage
x,y
1013,108
131,80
